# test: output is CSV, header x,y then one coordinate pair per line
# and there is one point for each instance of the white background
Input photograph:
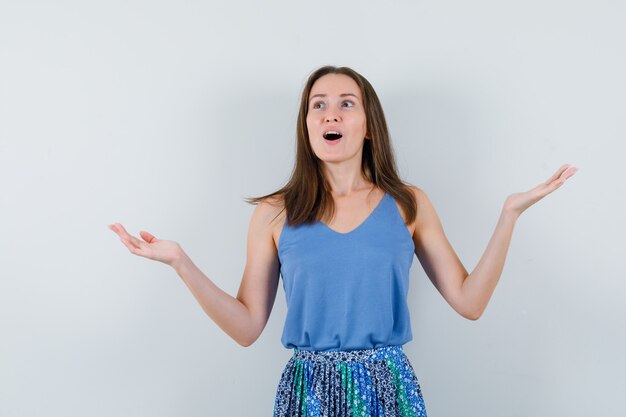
x,y
164,115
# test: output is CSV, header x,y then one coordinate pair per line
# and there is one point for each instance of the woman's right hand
x,y
165,251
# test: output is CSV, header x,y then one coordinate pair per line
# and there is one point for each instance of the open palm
x,y
150,247
518,202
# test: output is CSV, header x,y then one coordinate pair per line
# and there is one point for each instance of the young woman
x,y
342,234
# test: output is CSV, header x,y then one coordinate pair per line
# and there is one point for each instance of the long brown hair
x,y
307,194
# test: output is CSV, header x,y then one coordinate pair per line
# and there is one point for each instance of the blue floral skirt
x,y
377,382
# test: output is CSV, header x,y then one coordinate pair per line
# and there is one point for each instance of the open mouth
x,y
332,135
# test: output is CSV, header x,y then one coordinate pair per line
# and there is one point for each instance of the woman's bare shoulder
x,y
270,212
274,216
418,193
273,204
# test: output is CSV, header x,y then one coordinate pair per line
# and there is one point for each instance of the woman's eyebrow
x,y
340,95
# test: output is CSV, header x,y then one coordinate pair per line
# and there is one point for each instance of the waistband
x,y
362,355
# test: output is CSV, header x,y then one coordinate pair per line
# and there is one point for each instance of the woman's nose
x,y
331,118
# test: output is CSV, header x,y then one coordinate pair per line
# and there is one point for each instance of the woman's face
x,y
335,105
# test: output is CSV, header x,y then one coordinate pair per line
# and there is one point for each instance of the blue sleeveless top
x,y
347,291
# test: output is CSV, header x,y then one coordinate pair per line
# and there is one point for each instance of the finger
x,y
114,228
565,176
571,171
147,237
129,239
557,174
122,230
129,245
546,188
136,242
127,236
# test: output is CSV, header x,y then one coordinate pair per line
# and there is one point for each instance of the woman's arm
x,y
478,286
243,317
469,294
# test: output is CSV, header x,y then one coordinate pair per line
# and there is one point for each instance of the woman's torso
x,y
324,265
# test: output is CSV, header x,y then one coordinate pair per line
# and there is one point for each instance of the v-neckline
x,y
380,203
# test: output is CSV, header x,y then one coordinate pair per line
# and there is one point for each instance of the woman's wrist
x,y
180,260
509,213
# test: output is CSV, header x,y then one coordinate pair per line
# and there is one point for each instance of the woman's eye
x,y
319,104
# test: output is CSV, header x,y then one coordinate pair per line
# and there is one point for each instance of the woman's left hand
x,y
518,202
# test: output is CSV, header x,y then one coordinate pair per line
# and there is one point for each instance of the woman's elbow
x,y
246,342
473,315
249,339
